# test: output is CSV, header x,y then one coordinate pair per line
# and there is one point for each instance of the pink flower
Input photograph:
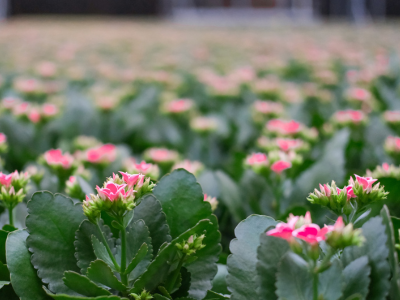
x,y
143,166
54,157
283,230
366,182
34,116
359,94
49,109
162,155
72,179
385,166
21,108
312,233
280,166
104,153
348,190
257,159
179,106
353,116
3,138
288,144
6,179
130,179
113,191
9,102
283,127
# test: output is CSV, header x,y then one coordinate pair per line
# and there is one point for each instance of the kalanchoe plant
x,y
13,188
166,246
301,260
352,199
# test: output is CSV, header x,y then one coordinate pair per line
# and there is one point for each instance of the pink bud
x,y
366,182
5,179
385,166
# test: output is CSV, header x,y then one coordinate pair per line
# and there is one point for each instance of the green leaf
x,y
4,272
230,195
23,276
83,243
68,297
138,258
219,282
269,253
9,228
149,210
182,201
243,260
356,278
3,283
101,253
330,282
376,250
331,166
164,291
211,295
393,258
128,218
52,222
137,233
3,238
182,290
294,281
159,268
83,285
100,272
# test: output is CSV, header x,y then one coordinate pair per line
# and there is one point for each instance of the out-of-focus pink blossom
x,y
179,106
280,165
284,127
34,115
6,179
105,153
257,159
54,157
288,144
49,109
3,138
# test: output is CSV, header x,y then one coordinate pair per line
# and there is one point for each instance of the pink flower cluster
x,y
392,116
34,113
349,116
55,157
261,160
392,144
279,126
268,107
102,154
358,94
113,191
160,155
178,106
308,232
289,144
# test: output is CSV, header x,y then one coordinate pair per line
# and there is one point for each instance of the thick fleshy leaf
x,y
83,285
294,281
269,253
183,286
83,242
215,296
376,250
356,278
4,272
330,282
393,258
3,238
23,276
52,222
182,200
243,260
69,297
101,253
149,210
219,282
159,268
137,233
100,272
143,250
3,283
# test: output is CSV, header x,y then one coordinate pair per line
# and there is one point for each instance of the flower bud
x,y
3,143
212,200
13,188
344,236
193,244
143,296
385,170
365,191
331,197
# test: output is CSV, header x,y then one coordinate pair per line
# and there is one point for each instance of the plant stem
x,y
11,216
124,277
108,248
175,274
315,286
